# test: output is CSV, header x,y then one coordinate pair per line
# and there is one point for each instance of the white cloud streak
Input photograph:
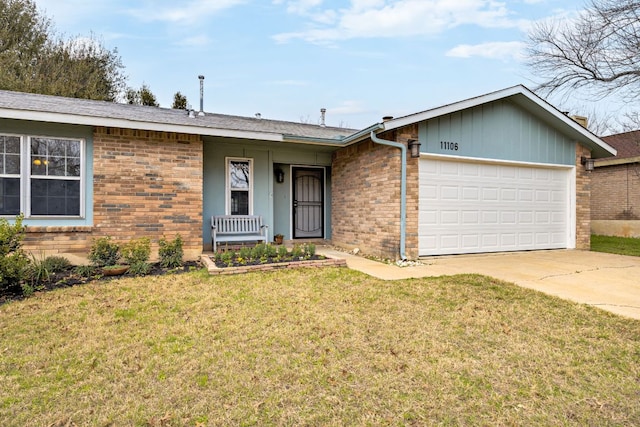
x,y
491,50
189,13
395,18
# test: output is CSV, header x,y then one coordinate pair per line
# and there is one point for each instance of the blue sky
x,y
286,59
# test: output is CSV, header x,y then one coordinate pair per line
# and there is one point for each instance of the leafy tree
x,y
142,96
179,101
34,59
599,51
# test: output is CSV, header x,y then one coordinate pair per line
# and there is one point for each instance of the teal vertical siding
x,y
499,131
272,200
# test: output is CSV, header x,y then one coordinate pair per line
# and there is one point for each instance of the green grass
x,y
616,245
314,347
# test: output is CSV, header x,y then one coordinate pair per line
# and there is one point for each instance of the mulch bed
x,y
68,278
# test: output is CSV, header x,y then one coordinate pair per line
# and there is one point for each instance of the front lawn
x,y
314,347
615,245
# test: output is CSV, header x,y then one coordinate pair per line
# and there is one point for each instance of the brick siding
x,y
366,197
146,183
583,200
614,192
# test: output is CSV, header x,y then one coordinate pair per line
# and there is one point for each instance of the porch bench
x,y
238,228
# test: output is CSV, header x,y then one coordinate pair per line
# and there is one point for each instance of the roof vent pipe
x,y
323,113
201,77
258,116
387,118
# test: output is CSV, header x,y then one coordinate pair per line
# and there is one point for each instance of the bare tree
x,y
598,52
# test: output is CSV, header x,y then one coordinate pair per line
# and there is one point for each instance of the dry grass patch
x,y
314,347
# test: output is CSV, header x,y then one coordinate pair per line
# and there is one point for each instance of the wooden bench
x,y
238,228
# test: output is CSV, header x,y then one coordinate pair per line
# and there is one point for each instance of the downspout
x,y
403,189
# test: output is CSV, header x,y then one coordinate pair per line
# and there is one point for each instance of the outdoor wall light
x,y
588,163
414,148
279,173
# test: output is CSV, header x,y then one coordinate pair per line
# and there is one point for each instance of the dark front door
x,y
308,203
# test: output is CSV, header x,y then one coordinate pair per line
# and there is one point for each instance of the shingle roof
x,y
627,144
89,109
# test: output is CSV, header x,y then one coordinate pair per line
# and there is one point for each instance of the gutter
x,y
403,189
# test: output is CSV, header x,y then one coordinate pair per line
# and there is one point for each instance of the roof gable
x,y
528,101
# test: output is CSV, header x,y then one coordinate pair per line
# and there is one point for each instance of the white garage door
x,y
482,207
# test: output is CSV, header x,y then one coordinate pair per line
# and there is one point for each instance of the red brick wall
x,y
145,184
614,192
366,197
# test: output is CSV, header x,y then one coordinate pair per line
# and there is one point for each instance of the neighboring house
x,y
615,188
500,172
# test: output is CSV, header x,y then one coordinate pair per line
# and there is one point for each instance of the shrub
x,y
13,260
136,251
104,252
171,252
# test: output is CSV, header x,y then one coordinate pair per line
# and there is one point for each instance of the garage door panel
x,y
476,207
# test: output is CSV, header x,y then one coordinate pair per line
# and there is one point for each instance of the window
x,y
41,176
9,175
239,186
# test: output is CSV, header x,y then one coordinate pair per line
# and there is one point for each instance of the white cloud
x,y
492,50
189,13
394,18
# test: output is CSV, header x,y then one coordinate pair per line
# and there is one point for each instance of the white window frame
x,y
26,176
228,188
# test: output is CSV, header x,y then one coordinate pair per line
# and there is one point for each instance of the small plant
x,y
259,251
104,252
38,272
271,251
139,268
171,252
309,250
245,252
297,251
57,264
282,252
84,270
13,260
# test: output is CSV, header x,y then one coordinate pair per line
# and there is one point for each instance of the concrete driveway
x,y
610,282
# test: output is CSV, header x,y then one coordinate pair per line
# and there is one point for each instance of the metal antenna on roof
x,y
201,77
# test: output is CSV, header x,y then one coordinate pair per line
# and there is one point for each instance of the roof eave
x,y
75,119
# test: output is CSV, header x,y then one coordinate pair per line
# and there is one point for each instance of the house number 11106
x,y
446,145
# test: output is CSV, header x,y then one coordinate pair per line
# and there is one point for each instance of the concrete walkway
x,y
607,281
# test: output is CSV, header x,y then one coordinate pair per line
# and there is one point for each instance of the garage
x,y
470,206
